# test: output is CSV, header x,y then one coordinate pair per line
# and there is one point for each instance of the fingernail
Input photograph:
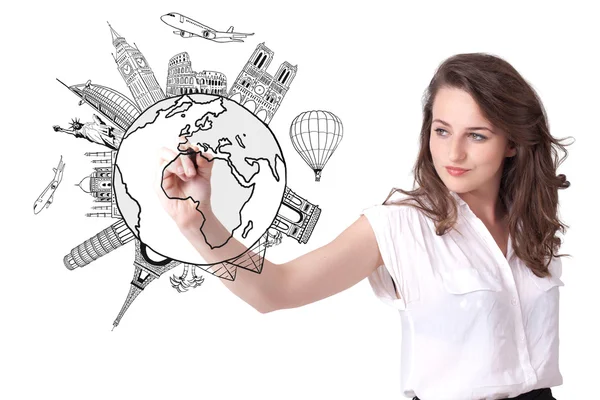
x,y
180,170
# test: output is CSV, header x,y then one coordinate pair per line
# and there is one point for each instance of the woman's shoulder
x,y
399,208
399,202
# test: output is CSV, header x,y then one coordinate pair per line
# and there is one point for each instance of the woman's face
x,y
462,137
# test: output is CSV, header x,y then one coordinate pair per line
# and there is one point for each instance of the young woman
x,y
469,257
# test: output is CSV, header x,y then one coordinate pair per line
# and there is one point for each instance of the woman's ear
x,y
511,150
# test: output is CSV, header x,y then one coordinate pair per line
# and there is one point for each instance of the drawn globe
x,y
248,178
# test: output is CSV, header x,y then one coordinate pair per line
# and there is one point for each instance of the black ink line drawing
x,y
255,89
297,217
187,27
251,260
315,136
240,141
273,238
47,197
136,72
99,154
146,271
182,284
258,91
223,270
99,184
181,78
216,153
102,243
104,161
109,103
95,132
206,122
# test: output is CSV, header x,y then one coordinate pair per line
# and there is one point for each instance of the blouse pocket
x,y
466,280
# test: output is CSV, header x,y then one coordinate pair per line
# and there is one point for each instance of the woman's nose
x,y
456,151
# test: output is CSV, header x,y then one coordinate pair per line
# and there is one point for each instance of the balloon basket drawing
x,y
317,175
315,135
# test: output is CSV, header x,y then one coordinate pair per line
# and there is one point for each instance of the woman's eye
x,y
481,137
477,136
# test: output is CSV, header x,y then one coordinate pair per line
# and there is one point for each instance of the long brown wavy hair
x,y
529,184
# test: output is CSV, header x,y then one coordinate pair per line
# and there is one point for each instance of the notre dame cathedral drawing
x,y
258,91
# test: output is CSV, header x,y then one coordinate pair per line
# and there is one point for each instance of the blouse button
x,y
513,301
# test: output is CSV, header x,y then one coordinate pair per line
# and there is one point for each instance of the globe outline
x,y
135,125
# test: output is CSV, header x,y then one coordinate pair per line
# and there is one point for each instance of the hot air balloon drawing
x,y
315,136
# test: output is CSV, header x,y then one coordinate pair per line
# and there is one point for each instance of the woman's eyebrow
x,y
472,128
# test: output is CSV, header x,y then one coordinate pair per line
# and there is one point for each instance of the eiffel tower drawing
x,y
146,271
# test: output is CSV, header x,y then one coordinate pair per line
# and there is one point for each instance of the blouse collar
x,y
459,201
462,204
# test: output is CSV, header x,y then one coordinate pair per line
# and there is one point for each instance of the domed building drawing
x,y
181,78
258,91
99,185
116,107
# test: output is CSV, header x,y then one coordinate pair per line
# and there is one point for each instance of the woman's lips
x,y
456,171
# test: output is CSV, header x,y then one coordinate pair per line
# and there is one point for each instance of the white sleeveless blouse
x,y
474,325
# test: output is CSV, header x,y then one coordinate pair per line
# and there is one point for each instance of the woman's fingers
x,y
198,161
204,161
188,158
189,169
165,157
171,164
186,163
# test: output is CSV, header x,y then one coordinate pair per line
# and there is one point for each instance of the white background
x,y
369,64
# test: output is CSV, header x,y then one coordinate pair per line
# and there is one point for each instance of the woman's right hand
x,y
183,183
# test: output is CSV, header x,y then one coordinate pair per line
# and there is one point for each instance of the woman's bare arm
x,y
349,258
184,189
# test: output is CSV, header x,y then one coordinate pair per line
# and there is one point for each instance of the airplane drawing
x,y
47,195
187,27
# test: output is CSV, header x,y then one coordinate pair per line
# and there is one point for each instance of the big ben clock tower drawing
x,y
136,73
